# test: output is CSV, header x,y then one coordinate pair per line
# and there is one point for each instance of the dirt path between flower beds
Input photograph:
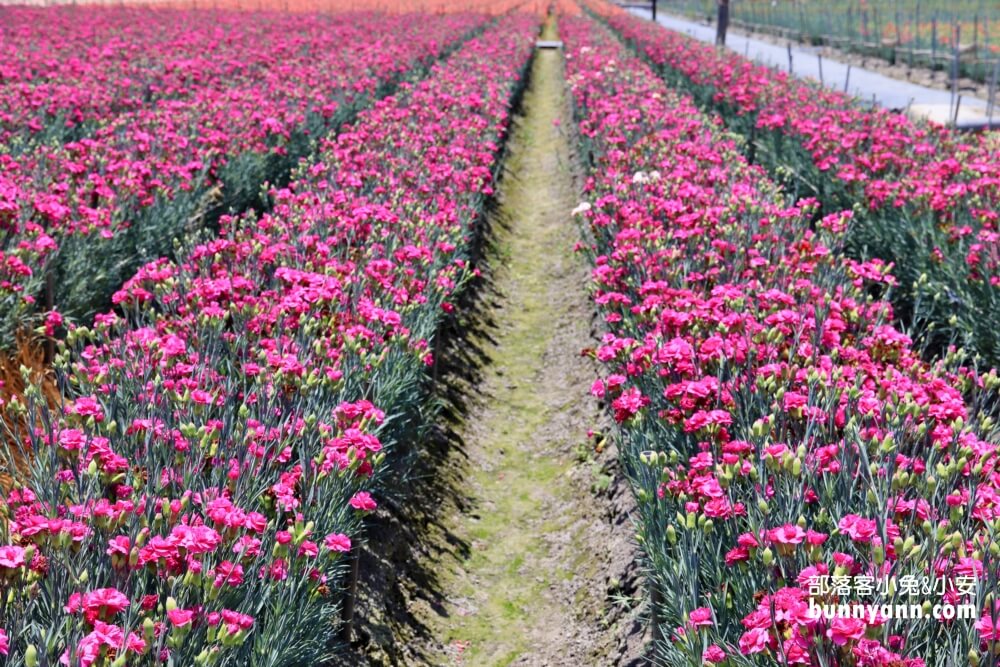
x,y
532,586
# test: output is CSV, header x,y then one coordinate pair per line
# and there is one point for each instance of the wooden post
x,y
954,64
877,27
986,35
934,41
993,91
899,34
789,57
654,11
819,57
722,24
847,79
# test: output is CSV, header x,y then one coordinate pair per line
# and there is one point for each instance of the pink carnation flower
x,y
844,630
754,641
337,542
700,617
362,500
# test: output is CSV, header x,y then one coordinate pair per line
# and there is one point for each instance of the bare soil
x,y
518,550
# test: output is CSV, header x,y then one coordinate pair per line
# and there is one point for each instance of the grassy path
x,y
524,593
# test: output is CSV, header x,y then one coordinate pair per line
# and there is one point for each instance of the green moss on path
x,y
528,592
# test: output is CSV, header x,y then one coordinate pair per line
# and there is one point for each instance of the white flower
x,y
583,207
640,177
654,176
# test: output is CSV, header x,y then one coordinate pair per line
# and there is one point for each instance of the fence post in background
x,y
934,44
722,24
847,79
877,27
789,57
954,63
986,35
993,91
819,57
899,35
654,11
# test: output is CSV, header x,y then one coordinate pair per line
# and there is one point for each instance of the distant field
x,y
391,6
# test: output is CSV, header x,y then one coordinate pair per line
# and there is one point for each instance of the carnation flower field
x,y
344,336
777,425
921,198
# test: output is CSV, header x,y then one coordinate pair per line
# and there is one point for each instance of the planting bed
x,y
391,338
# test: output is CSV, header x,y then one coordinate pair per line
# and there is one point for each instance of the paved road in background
x,y
890,93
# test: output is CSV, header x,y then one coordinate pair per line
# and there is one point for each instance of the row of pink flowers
x,y
925,198
64,70
227,429
775,427
91,210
